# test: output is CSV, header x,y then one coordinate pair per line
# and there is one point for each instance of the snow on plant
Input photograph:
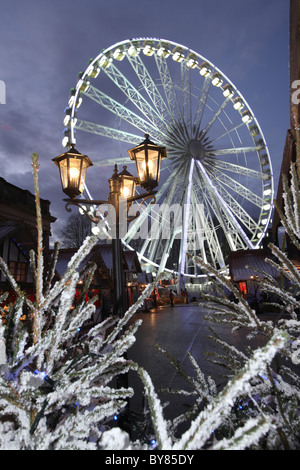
x,y
218,409
276,389
56,384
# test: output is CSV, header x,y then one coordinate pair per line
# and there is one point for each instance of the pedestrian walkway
x,y
179,330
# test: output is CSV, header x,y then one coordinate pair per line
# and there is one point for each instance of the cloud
x,y
44,44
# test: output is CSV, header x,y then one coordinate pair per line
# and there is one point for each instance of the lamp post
x,y
73,165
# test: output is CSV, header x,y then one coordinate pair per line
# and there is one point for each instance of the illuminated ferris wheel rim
x,y
120,47
165,41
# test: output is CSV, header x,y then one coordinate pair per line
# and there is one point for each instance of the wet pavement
x,y
179,330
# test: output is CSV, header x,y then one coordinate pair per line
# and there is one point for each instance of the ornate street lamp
x,y
72,168
147,156
73,165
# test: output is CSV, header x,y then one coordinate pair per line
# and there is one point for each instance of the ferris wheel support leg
x,y
166,252
181,281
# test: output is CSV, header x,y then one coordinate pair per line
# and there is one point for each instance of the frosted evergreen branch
x,y
211,417
284,271
87,273
199,385
247,435
159,423
106,360
40,258
64,308
52,267
282,294
173,391
287,225
128,314
288,206
32,262
10,278
291,271
234,357
244,306
264,274
101,328
19,346
177,365
209,386
188,415
79,315
12,324
73,264
290,217
295,187
278,399
232,310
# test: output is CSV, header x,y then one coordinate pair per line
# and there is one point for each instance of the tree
x,y
77,228
56,384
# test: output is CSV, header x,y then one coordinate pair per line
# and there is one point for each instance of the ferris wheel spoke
x,y
216,115
137,223
232,235
149,85
236,150
201,105
112,161
214,193
176,139
186,96
238,211
109,132
165,253
184,237
229,131
206,233
207,207
162,219
223,179
133,95
169,88
237,169
123,112
163,214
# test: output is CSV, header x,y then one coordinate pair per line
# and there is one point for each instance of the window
x,y
18,270
243,288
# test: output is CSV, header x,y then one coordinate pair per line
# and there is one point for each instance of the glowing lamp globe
x,y
128,183
147,156
72,168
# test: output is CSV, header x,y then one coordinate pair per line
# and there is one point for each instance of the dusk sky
x,y
46,43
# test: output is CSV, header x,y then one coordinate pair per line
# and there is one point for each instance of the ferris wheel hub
x,y
196,149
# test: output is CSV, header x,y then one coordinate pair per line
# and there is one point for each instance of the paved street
x,y
179,330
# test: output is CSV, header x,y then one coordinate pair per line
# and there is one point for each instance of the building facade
x,y
291,153
18,231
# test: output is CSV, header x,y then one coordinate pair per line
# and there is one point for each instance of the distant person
x,y
171,298
154,299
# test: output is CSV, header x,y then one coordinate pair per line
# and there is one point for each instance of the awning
x,y
255,259
8,227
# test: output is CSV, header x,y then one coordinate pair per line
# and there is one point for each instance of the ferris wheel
x,y
218,169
